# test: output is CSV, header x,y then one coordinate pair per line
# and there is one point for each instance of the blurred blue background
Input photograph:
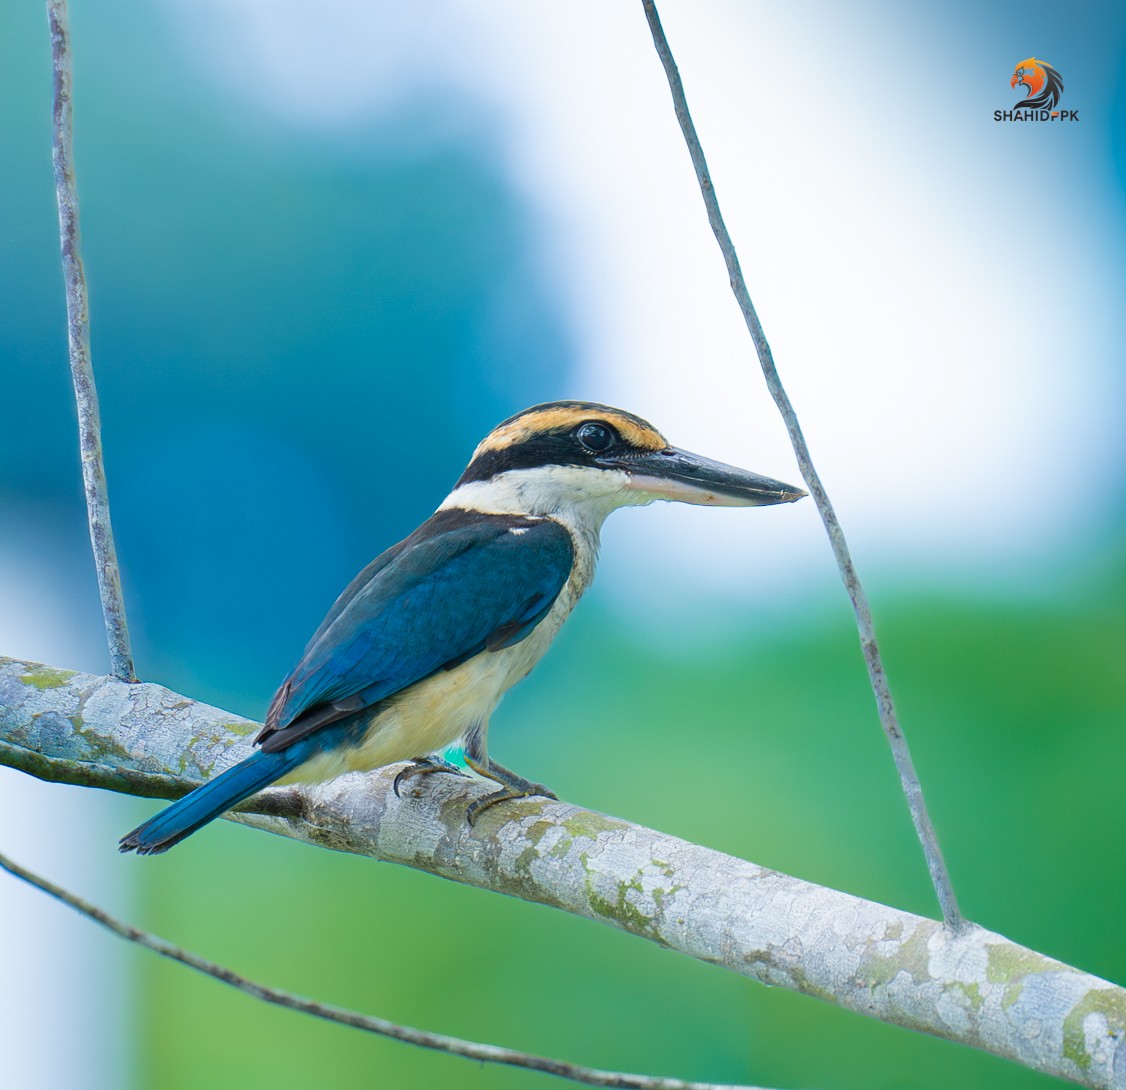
x,y
329,248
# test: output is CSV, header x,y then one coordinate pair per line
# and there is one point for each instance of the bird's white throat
x,y
581,496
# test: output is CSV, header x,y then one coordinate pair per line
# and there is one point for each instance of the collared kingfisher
x,y
423,643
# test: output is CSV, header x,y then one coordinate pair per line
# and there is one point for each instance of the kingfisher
x,y
418,650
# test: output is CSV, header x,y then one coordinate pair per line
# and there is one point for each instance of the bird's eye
x,y
596,437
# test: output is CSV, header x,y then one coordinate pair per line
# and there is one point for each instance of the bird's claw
x,y
516,790
422,766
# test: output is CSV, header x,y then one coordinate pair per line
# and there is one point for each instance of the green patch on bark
x,y
585,823
536,832
589,824
971,991
660,894
222,737
46,677
620,909
807,987
561,847
103,748
1012,966
912,957
239,728
1111,1004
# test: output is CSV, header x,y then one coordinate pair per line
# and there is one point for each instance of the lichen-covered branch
x,y
904,764
972,986
81,367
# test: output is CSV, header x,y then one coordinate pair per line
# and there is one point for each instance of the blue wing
x,y
461,584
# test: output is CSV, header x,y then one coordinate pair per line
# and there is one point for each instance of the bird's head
x,y
1030,73
586,459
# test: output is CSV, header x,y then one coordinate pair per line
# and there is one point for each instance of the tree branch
x,y
972,986
423,1038
876,674
81,368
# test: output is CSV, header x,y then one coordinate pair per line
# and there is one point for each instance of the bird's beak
x,y
673,474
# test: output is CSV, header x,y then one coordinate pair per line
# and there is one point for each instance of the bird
x,y
1043,84
421,646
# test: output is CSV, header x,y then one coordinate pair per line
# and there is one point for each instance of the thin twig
x,y
81,369
902,755
422,1038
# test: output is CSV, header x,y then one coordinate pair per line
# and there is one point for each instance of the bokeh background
x,y
329,246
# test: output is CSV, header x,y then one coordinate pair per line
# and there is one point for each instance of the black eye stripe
x,y
554,448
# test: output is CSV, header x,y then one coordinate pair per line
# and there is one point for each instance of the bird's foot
x,y
422,766
512,787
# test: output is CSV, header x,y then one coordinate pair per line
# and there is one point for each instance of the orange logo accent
x,y
1042,82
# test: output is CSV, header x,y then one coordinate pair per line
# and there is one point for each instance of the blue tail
x,y
215,797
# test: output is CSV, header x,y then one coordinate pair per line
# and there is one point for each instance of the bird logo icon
x,y
1043,84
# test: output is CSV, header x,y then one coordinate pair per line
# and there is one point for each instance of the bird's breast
x,y
434,713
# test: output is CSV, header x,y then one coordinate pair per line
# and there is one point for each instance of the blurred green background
x,y
298,339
